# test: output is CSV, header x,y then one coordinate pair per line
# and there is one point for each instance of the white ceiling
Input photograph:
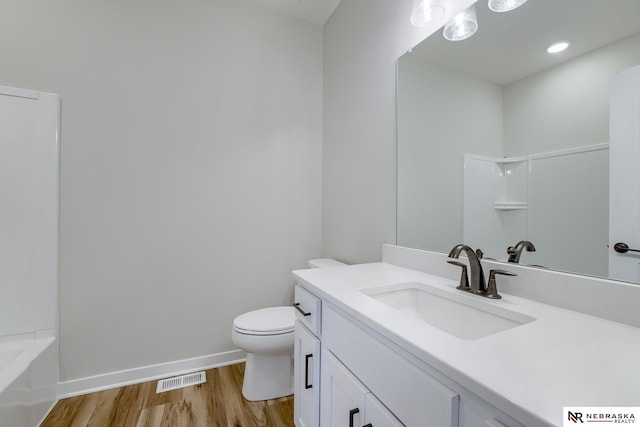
x,y
316,11
511,45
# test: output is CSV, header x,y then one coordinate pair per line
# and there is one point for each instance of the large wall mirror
x,y
500,141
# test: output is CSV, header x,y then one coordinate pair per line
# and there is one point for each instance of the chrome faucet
x,y
477,284
515,252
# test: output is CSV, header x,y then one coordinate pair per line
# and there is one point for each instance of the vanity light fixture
x,y
558,47
462,26
504,5
425,12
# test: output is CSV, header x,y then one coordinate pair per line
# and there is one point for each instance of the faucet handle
x,y
464,279
492,289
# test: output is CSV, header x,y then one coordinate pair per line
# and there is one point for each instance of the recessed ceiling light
x,y
558,47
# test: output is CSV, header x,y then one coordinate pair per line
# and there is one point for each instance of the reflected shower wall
x,y
549,199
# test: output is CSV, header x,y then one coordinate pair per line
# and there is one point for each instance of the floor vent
x,y
181,381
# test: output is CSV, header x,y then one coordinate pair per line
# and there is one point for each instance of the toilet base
x,y
267,376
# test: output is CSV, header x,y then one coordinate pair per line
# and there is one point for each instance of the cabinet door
x,y
343,396
376,415
306,378
414,396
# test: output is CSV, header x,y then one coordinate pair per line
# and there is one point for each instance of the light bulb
x,y
425,12
462,26
504,5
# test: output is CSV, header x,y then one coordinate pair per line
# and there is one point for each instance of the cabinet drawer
x,y
308,309
377,415
477,413
414,397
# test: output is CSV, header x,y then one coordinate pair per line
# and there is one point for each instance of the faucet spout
x,y
515,252
477,283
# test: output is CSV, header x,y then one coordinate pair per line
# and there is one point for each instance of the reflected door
x,y
624,193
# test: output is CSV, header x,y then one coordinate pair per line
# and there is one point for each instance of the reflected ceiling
x,y
316,11
523,46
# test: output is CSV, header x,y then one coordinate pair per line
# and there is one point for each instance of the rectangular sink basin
x,y
463,315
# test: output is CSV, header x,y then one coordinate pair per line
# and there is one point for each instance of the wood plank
x,y
104,407
74,412
216,403
239,411
280,412
176,414
151,416
213,389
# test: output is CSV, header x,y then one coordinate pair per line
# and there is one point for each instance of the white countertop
x,y
563,358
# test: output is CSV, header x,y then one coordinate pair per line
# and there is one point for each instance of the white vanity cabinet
x,y
414,397
307,359
476,413
376,414
346,402
348,375
421,373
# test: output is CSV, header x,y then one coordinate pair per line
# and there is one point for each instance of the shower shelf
x,y
510,206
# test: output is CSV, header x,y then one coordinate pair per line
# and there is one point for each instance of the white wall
x,y
442,113
191,167
566,106
362,41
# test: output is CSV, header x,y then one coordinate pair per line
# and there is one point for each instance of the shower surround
x,y
29,176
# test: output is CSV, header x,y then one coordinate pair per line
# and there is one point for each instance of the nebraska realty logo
x,y
600,415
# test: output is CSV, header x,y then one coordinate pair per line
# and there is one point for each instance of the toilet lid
x,y
275,320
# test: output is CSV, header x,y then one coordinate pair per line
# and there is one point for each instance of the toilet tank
x,y
325,262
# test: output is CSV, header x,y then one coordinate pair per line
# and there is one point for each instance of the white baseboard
x,y
147,373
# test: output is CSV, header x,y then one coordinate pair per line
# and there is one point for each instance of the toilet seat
x,y
266,321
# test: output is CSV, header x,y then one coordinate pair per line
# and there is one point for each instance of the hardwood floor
x,y
216,403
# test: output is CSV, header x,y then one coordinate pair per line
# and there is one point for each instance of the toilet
x,y
267,336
